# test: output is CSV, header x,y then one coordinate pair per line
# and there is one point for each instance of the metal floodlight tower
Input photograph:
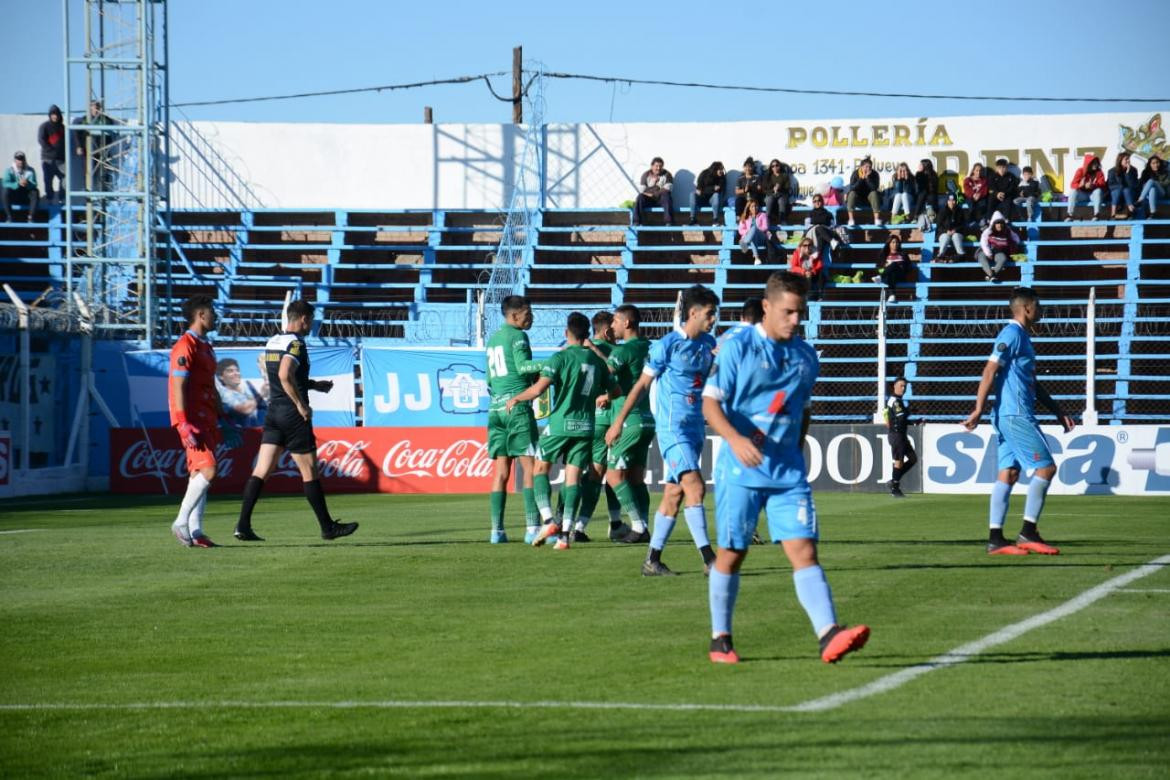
x,y
116,124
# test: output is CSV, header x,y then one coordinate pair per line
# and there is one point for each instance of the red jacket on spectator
x,y
974,189
815,263
1079,180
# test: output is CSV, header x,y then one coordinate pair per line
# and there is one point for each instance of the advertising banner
x,y
147,373
418,460
1121,459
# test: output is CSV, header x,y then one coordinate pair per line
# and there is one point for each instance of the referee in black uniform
x,y
289,424
897,414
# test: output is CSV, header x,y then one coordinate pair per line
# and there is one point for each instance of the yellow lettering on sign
x,y
901,135
854,140
820,137
940,137
879,135
796,136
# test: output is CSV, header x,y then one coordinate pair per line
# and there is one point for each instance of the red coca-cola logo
x,y
335,458
140,460
460,458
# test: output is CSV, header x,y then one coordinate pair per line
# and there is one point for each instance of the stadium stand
x,y
409,277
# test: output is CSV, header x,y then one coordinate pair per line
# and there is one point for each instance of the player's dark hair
x,y
781,282
698,295
1022,295
601,321
193,304
578,326
899,378
298,309
224,365
631,313
513,303
753,310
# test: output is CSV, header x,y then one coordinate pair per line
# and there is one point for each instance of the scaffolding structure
x,y
116,122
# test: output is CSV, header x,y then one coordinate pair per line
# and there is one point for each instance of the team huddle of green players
x,y
589,380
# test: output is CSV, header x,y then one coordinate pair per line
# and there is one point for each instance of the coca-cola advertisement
x,y
351,460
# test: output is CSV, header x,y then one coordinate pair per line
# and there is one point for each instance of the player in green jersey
x,y
577,376
628,448
512,433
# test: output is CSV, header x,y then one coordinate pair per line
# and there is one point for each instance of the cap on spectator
x,y
837,183
18,156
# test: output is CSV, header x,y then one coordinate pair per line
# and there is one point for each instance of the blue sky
x,y
241,48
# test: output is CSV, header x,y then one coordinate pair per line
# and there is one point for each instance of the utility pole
x,y
428,115
517,87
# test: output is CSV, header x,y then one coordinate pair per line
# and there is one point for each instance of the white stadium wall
x,y
454,166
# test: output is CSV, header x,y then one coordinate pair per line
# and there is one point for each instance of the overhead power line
x,y
847,93
356,90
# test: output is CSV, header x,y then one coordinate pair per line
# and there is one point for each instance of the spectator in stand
x,y
893,266
976,194
749,186
753,232
51,136
20,187
864,183
94,143
952,221
241,403
1088,183
1028,193
1155,183
905,190
1002,185
809,262
926,184
1123,186
777,185
996,246
655,185
835,192
819,225
709,189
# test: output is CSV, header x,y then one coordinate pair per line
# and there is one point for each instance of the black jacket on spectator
x,y
927,184
820,216
1007,184
1122,178
708,181
1028,189
51,136
1162,176
952,219
783,179
863,187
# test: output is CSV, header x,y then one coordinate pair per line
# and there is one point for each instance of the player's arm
x,y
522,357
745,452
985,383
288,367
641,386
188,433
534,390
1051,405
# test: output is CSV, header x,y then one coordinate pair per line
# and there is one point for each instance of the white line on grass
x,y
23,531
1144,590
881,685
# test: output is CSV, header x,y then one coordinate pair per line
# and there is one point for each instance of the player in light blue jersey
x,y
751,313
680,362
1011,374
757,399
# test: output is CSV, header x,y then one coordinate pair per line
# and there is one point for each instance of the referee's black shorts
x,y
284,427
900,446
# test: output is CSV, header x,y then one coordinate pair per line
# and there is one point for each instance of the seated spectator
x,y
809,262
1088,183
926,184
753,232
654,190
835,192
777,186
709,189
864,184
240,402
996,246
893,266
20,187
1123,186
1155,183
1002,185
952,221
975,192
749,186
1028,193
819,225
51,137
905,190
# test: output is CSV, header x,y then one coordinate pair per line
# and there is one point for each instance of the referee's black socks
x,y
252,490
316,498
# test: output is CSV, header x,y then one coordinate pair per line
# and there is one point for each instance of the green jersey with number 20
x,y
578,377
511,368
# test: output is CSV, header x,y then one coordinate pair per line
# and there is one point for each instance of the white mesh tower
x,y
513,257
115,114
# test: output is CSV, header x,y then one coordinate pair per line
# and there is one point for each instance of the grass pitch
x,y
125,654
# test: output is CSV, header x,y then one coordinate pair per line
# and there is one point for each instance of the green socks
x,y
499,498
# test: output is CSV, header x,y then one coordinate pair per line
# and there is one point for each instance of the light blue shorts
x,y
791,513
681,451
1020,444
